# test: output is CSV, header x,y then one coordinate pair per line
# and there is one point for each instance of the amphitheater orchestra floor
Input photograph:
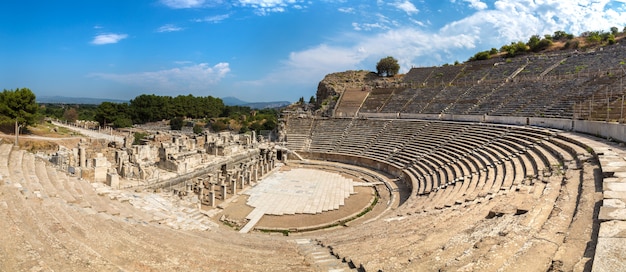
x,y
297,191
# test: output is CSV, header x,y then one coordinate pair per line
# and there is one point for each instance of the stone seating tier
x,y
535,85
52,230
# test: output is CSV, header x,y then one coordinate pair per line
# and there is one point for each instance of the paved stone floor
x,y
297,191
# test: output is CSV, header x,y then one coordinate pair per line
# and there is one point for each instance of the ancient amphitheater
x,y
496,165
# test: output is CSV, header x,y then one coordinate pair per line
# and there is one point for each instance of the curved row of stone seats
x,y
413,242
534,85
377,98
298,132
326,135
441,155
418,76
43,231
398,100
360,133
609,251
350,102
397,135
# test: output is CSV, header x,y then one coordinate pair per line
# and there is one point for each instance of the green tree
x,y
176,123
70,114
483,55
593,37
387,66
312,100
536,44
117,114
301,100
197,129
138,137
614,30
18,106
514,49
562,35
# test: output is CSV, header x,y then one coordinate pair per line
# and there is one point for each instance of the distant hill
x,y
76,100
229,101
233,101
268,105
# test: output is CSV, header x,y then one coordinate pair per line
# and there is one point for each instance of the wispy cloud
x,y
415,45
169,28
108,38
346,10
368,26
405,6
182,4
213,19
188,78
476,4
266,7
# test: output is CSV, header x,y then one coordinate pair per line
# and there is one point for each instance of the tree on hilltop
x,y
387,66
18,106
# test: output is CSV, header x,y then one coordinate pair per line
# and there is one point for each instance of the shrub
x,y
197,129
176,123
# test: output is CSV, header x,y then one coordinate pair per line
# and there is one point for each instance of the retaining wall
x,y
596,128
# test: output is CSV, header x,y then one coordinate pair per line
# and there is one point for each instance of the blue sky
x,y
257,50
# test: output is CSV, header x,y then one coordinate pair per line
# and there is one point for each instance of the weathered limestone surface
x,y
611,248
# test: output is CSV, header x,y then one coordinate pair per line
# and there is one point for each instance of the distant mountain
x,y
76,100
233,101
268,105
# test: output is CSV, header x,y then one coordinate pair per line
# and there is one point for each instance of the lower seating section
x,y
489,197
483,158
56,222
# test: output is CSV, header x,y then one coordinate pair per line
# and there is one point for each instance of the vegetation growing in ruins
x,y
558,40
387,66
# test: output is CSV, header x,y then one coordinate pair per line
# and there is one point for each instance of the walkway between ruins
x,y
91,133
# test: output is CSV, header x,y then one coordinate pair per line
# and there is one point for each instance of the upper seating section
x,y
542,85
351,101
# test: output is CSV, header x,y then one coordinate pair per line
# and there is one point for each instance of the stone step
x,y
320,257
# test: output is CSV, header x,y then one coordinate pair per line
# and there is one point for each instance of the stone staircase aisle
x,y
320,258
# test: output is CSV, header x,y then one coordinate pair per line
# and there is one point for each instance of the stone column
x,y
82,157
240,180
212,198
255,173
223,187
233,187
246,176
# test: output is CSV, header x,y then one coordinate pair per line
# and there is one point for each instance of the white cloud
x,y
169,28
108,38
368,26
513,20
476,4
265,7
213,19
187,78
405,6
414,43
346,10
181,4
